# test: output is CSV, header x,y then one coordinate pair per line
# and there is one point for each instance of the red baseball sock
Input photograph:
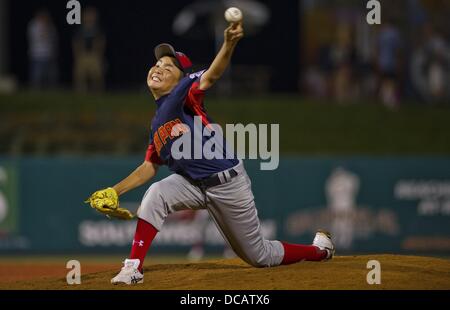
x,y
297,252
145,233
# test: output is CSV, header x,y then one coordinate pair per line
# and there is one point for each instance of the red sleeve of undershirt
x,y
195,96
152,156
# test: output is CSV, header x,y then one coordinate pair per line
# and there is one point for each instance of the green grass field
x,y
306,127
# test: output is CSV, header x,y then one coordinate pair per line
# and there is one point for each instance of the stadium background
x,y
374,170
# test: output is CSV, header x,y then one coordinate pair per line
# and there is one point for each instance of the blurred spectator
x,y
430,66
315,82
88,50
42,44
388,62
343,56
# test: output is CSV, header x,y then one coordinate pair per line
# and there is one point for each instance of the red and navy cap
x,y
182,61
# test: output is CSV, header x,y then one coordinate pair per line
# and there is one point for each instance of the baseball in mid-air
x,y
233,15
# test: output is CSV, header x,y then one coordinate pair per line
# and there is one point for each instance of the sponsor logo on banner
x,y
9,238
431,200
342,215
432,196
175,232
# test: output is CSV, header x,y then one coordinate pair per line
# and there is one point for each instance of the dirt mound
x,y
344,272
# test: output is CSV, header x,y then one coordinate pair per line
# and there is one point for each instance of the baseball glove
x,y
106,201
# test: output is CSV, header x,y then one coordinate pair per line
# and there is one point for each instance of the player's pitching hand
x,y
106,201
234,33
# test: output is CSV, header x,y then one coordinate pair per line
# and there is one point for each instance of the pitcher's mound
x,y
343,272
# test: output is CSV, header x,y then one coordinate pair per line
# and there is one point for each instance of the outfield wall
x,y
392,204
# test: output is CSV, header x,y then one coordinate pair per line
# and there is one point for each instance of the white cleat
x,y
323,241
129,274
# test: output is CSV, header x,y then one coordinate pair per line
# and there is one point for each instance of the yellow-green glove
x,y
106,201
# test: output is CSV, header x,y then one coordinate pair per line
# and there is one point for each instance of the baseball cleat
x,y
129,274
323,241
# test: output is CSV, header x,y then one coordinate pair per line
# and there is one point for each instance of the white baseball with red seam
x,y
233,15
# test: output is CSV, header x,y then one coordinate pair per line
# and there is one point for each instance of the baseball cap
x,y
182,61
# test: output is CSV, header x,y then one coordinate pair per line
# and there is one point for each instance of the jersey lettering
x,y
164,132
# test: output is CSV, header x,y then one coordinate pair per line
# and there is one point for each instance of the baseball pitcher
x,y
219,185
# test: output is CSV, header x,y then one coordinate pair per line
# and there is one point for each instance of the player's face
x,y
163,77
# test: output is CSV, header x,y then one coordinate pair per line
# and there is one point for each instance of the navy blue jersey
x,y
183,110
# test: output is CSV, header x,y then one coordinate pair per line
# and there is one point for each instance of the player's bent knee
x,y
258,264
255,262
262,258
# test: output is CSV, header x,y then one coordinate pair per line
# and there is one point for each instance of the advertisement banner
x,y
384,205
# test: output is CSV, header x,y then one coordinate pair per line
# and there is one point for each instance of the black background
x,y
133,28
